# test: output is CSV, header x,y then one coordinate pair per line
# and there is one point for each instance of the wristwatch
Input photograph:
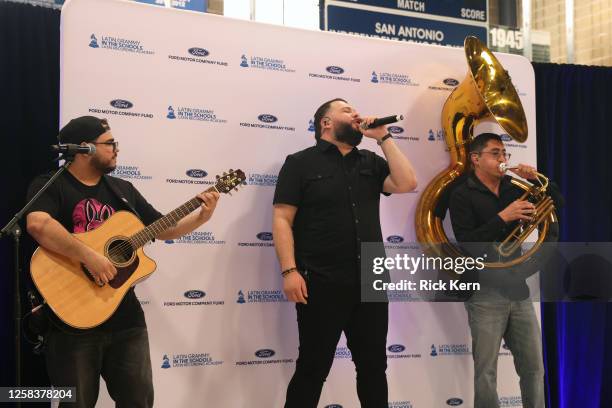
x,y
385,137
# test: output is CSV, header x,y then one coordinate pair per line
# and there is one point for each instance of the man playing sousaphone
x,y
484,209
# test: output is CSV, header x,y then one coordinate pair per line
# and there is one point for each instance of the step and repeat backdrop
x,y
190,96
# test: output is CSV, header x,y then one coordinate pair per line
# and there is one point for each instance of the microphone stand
x,y
13,229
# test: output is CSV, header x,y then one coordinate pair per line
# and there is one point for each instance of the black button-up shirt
x,y
474,215
338,208
474,211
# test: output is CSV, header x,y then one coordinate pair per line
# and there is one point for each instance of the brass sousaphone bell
x,y
486,94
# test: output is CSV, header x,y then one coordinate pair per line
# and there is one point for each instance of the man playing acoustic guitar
x,y
79,201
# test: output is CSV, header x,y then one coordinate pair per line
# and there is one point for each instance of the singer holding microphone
x,y
326,204
484,209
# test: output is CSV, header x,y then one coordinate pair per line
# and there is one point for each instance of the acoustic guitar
x,y
68,287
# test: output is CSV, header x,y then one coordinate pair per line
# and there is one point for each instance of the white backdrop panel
x,y
185,91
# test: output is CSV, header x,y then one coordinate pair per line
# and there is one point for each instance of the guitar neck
x,y
166,222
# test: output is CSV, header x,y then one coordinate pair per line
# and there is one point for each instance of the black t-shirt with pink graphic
x,y
81,208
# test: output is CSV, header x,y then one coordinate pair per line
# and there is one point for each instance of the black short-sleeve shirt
x,y
81,208
338,201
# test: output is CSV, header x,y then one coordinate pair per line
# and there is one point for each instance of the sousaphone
x,y
486,94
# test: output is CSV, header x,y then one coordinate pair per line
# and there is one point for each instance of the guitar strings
x,y
127,248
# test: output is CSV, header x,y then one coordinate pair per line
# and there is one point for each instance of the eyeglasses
x,y
497,154
115,144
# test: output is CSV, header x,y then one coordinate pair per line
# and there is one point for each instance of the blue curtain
x,y
573,128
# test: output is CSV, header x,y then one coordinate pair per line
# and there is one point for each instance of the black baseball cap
x,y
83,129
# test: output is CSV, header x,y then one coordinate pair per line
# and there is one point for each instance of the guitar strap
x,y
120,195
109,182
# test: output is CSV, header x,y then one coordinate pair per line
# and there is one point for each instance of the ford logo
x,y
505,137
396,348
333,406
395,129
121,104
265,353
334,70
395,239
169,241
194,294
264,236
196,173
198,52
453,402
451,82
267,118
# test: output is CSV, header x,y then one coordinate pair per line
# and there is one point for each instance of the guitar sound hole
x,y
120,251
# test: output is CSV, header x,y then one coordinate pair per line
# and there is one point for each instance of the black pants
x,y
121,358
329,312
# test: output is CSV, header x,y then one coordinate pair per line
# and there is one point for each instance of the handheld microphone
x,y
383,121
70,149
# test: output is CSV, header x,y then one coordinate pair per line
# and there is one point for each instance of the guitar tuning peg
x,y
224,174
217,176
231,171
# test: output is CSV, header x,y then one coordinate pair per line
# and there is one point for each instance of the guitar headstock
x,y
229,181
